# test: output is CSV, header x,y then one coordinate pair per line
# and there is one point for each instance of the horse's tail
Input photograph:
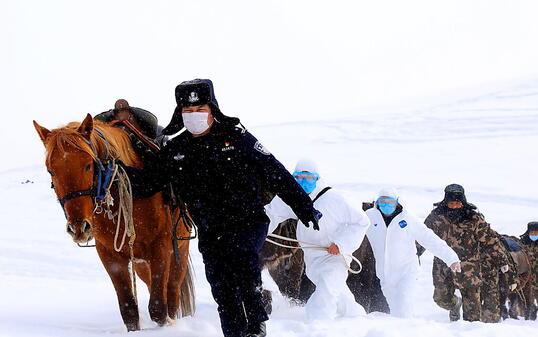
x,y
187,305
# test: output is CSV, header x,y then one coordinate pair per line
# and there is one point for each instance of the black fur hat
x,y
455,192
532,226
192,93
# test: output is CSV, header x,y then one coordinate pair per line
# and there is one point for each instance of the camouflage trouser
x,y
491,310
468,282
531,296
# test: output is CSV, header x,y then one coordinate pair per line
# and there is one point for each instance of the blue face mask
x,y
533,237
387,209
307,180
387,206
308,186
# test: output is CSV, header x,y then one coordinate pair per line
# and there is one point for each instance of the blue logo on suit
x,y
403,224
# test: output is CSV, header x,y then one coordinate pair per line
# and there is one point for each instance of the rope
x,y
521,295
308,245
125,213
125,207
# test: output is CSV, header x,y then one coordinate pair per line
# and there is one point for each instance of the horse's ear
x,y
86,127
41,131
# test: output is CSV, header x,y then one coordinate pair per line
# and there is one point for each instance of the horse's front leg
x,y
117,268
159,266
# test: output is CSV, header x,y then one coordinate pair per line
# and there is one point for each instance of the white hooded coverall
x,y
396,258
340,224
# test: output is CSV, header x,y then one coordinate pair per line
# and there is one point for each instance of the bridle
x,y
103,173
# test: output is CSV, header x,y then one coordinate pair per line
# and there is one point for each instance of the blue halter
x,y
102,175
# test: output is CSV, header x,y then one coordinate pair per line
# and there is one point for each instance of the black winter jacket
x,y
219,177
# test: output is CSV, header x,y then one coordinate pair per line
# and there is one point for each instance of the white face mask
x,y
196,122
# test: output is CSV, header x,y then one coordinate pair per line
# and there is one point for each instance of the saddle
x,y
512,244
517,253
145,140
147,121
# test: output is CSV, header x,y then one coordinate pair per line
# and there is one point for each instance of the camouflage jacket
x,y
497,257
532,250
471,237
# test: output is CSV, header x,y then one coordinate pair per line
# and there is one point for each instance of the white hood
x,y
307,165
390,192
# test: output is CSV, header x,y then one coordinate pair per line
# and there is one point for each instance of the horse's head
x,y
70,160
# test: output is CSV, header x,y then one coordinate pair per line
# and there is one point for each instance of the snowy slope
x,y
50,287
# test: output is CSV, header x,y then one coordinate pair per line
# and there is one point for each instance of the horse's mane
x,y
115,145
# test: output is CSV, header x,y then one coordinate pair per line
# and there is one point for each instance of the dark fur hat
x,y
193,93
455,192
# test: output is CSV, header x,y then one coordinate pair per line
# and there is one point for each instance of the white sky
x,y
271,61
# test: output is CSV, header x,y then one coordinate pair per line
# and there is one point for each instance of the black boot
x,y
256,330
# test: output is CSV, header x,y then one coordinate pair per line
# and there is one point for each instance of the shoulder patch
x,y
403,224
260,148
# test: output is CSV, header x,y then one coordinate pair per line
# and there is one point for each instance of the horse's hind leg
x,y
117,268
176,278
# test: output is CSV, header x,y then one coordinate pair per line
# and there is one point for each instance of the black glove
x,y
312,218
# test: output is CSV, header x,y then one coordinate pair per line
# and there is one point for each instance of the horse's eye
x,y
88,167
51,173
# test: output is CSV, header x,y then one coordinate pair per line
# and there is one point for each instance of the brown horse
x,y
74,155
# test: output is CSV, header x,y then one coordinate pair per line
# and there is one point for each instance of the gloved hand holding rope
x,y
307,245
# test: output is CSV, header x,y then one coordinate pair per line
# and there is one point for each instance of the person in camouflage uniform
x,y
530,240
494,262
466,231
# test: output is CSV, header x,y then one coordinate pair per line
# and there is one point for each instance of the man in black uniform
x,y
217,169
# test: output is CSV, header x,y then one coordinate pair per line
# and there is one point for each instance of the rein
x,y
189,224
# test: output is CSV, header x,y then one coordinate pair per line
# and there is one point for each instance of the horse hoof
x,y
160,321
133,326
170,321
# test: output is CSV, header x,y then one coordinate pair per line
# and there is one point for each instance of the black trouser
x,y
233,270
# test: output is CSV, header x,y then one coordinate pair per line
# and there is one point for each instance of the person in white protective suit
x,y
341,229
392,234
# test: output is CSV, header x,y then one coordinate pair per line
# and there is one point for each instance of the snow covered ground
x,y
310,78
484,141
